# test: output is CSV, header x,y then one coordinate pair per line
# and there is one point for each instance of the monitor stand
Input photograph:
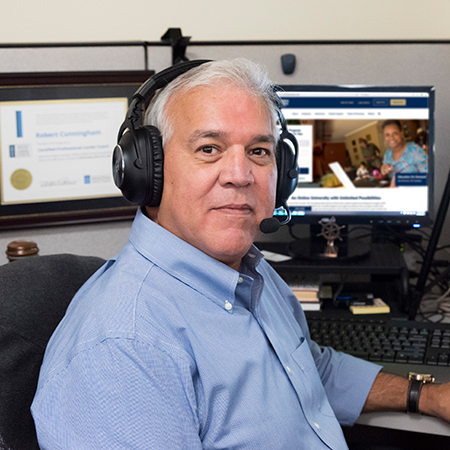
x,y
326,245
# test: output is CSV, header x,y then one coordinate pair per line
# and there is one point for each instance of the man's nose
x,y
236,168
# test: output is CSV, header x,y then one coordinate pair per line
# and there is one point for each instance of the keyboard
x,y
385,340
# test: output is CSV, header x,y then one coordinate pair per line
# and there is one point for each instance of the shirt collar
x,y
186,263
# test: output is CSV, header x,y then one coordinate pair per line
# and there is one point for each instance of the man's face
x,y
219,171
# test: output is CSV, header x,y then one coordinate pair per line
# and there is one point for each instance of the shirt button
x,y
251,255
317,425
228,305
240,280
288,369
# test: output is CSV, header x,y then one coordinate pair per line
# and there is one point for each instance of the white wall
x,y
29,21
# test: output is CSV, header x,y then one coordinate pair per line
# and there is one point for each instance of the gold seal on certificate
x,y
21,179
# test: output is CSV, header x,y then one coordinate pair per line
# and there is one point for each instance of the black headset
x,y
138,157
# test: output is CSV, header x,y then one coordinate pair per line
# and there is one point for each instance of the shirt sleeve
x,y
347,381
136,398
420,158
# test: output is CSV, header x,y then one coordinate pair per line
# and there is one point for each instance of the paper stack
x,y
308,296
378,307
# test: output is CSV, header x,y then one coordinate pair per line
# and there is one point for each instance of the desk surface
x,y
407,422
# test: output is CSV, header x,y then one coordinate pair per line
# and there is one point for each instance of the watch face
x,y
425,378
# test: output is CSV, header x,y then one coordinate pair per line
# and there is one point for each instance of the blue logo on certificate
x,y
19,128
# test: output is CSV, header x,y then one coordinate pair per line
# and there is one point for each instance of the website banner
x,y
360,151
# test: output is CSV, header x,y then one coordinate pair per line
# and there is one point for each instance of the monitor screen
x,y
365,153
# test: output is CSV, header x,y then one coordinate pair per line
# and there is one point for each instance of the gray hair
x,y
239,72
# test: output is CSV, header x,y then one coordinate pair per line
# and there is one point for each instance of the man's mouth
x,y
235,208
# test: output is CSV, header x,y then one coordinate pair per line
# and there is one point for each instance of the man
x,y
188,339
371,154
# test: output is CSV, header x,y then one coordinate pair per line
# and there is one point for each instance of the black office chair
x,y
34,295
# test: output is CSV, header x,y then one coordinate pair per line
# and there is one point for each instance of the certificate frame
x,y
70,86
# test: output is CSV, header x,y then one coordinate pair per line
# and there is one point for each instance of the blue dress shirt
x,y
167,348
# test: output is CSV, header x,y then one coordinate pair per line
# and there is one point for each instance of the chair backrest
x,y
34,295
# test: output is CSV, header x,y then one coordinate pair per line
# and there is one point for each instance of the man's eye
x,y
260,152
208,150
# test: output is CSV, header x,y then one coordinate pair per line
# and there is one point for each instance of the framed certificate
x,y
57,133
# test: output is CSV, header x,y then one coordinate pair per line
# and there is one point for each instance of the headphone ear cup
x,y
155,165
287,169
138,162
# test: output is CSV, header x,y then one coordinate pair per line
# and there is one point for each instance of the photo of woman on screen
x,y
401,156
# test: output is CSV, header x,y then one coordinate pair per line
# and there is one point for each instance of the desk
x,y
398,430
407,422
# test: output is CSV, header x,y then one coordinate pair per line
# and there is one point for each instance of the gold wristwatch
x,y
416,382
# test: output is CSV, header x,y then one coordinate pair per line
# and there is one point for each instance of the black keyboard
x,y
390,341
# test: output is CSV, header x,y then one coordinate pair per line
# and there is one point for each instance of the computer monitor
x,y
365,154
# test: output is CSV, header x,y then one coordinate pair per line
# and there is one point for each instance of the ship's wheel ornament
x,y
331,231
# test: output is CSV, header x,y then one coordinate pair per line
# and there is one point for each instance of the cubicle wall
x,y
412,63
67,58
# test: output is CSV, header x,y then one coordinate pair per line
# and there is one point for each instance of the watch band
x,y
415,387
416,382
